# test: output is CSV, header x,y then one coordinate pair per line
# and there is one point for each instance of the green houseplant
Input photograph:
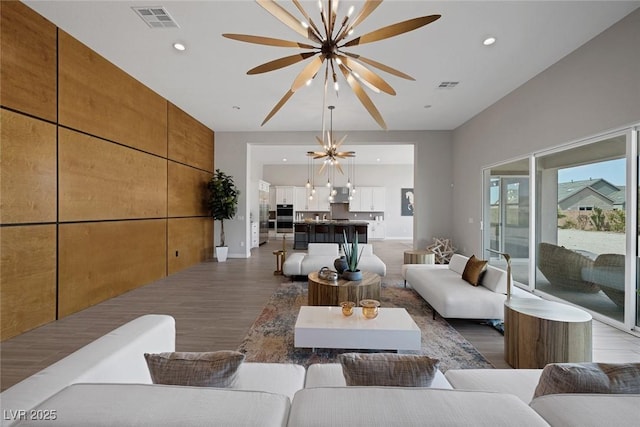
x,y
222,204
352,256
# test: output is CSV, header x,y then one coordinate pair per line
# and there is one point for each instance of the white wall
x,y
431,182
594,89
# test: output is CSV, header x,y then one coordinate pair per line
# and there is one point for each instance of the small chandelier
x,y
331,161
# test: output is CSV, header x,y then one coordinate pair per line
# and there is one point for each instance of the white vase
x,y
221,253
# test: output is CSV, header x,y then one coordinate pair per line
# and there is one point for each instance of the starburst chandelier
x,y
329,43
331,156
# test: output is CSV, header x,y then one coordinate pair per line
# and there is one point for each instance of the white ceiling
x,y
209,78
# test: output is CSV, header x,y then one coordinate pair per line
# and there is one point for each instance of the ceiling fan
x,y
328,42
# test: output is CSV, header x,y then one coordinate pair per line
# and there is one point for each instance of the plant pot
x,y
221,253
340,264
352,276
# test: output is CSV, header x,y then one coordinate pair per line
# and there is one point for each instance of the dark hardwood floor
x,y
215,304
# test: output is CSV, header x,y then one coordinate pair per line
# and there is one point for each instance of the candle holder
x,y
370,308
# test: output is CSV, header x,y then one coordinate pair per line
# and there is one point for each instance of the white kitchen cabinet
x,y
321,200
376,230
319,203
378,199
301,201
285,195
368,199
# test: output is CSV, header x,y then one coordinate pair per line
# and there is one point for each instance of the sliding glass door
x,y
581,248
507,216
568,217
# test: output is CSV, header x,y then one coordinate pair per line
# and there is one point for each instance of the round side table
x,y
419,256
538,332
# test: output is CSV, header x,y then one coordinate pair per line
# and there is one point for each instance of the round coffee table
x,y
324,292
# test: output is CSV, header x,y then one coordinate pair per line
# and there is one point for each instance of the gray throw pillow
x,y
208,369
388,369
610,378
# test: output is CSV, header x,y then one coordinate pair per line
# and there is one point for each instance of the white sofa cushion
x,y
279,378
519,382
323,249
154,405
115,357
588,410
392,406
457,263
293,264
495,280
330,375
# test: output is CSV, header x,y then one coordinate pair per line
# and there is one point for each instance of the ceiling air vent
x,y
447,85
156,17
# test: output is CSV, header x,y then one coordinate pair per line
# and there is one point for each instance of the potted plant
x,y
222,204
352,256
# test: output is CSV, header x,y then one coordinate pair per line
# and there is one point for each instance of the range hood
x,y
342,195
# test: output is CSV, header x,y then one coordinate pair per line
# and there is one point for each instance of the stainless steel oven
x,y
284,219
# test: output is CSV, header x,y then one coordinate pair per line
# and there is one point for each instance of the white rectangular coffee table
x,y
326,327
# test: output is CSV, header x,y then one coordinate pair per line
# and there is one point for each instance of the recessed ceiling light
x,y
377,160
489,41
284,159
179,46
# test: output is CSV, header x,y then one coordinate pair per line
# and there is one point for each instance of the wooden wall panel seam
x,y
191,166
31,116
27,224
111,141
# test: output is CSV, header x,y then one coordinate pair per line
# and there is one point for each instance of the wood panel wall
x,y
98,98
100,260
189,141
28,148
28,276
185,250
102,179
28,61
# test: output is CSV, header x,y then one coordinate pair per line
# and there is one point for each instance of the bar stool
x,y
321,233
361,231
339,233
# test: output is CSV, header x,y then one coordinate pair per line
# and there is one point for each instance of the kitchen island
x,y
328,231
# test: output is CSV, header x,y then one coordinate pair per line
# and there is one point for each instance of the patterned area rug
x,y
270,339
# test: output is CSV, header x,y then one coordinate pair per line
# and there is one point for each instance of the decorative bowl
x,y
347,307
326,273
370,308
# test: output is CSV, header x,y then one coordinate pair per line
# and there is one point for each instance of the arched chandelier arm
x,y
363,97
288,19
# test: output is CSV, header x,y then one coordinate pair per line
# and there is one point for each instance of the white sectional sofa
x,y
449,295
107,383
320,255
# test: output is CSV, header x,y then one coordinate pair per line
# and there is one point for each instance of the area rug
x,y
270,338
